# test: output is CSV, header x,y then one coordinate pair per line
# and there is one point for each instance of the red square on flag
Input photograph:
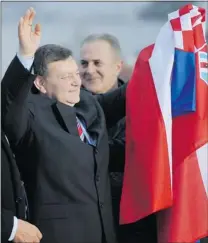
x,y
199,36
176,24
188,40
186,9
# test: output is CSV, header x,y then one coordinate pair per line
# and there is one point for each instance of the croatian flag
x,y
166,169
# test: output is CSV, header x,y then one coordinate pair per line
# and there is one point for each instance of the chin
x,y
95,89
76,100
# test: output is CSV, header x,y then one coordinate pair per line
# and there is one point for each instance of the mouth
x,y
72,91
92,79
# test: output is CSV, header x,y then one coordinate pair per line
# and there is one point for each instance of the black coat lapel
x,y
90,111
66,116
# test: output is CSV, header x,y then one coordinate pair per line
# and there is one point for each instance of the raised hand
x,y
29,39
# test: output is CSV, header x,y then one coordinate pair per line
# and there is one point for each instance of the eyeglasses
x,y
69,77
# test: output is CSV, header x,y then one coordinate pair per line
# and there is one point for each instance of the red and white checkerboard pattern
x,y
188,24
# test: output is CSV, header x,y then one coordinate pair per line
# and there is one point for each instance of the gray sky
x,y
135,24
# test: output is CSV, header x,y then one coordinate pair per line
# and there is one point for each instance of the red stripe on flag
x,y
186,9
204,65
203,13
176,24
199,38
188,40
185,221
146,186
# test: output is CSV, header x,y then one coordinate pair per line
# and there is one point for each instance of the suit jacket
x,y
66,180
117,141
12,193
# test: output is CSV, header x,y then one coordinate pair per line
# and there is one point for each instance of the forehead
x,y
97,50
68,65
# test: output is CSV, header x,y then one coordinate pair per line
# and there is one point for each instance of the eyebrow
x,y
94,60
70,73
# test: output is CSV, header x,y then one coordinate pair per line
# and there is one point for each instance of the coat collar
x,y
88,110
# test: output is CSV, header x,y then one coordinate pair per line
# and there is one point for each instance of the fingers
x,y
26,16
36,240
37,232
38,29
25,23
39,235
20,26
31,16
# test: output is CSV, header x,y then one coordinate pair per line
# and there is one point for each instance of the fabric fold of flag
x,y
166,169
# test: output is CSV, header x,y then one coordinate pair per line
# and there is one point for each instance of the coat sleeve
x,y
113,104
117,147
15,88
117,156
7,220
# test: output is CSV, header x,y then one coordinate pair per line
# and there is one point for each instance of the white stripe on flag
x,y
186,22
202,155
203,56
194,12
161,64
204,70
174,15
196,50
204,27
198,22
178,39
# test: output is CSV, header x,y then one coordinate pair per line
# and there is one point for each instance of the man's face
x,y
99,66
63,81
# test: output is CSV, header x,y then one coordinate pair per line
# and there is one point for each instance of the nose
x,y
90,68
76,80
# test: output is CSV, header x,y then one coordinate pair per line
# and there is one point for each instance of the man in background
x,y
100,67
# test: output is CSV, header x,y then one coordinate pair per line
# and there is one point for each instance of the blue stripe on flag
x,y
183,86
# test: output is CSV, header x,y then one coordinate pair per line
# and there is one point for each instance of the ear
x,y
40,84
119,66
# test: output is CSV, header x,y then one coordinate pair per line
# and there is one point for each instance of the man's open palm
x,y
29,39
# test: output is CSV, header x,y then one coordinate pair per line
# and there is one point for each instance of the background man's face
x,y
99,66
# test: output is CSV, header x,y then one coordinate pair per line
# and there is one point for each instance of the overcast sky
x,y
135,24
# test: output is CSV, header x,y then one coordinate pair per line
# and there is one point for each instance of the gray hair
x,y
47,54
110,39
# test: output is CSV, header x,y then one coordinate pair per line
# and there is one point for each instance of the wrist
x,y
25,54
26,61
14,229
